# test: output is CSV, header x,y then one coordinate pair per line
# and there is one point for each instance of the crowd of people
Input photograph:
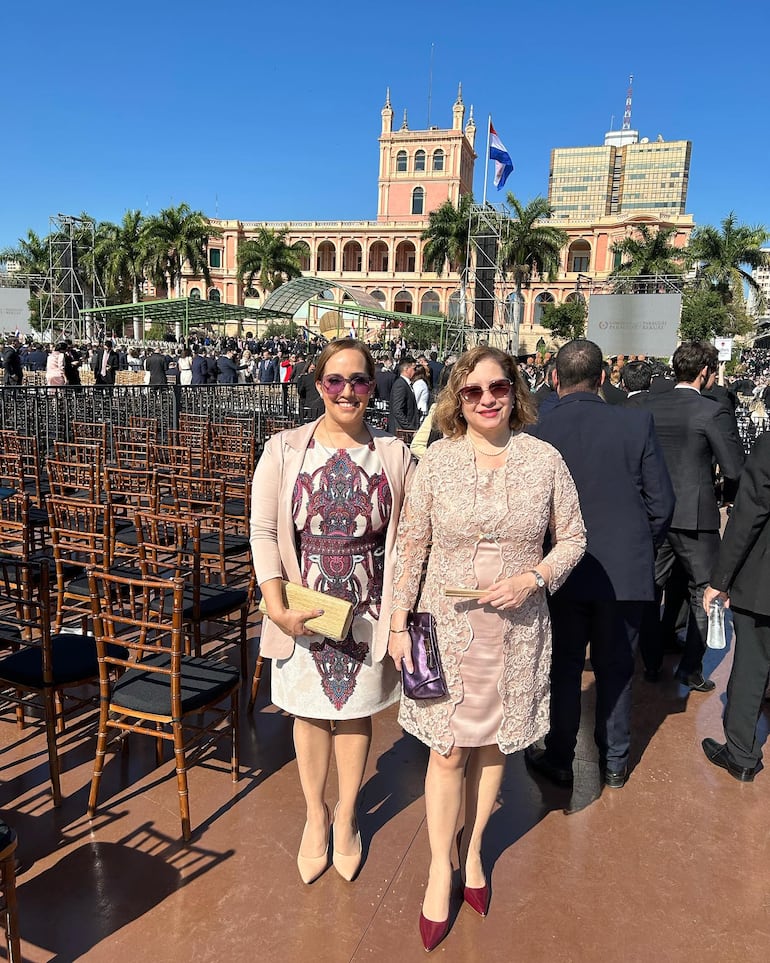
x,y
505,531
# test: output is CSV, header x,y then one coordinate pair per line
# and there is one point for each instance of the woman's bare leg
x,y
483,779
443,797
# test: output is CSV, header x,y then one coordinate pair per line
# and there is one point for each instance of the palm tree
x,y
719,257
175,237
31,254
648,251
530,247
269,256
448,235
122,250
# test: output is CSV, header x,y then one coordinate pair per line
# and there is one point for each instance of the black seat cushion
x,y
216,600
234,544
203,682
127,536
235,507
74,660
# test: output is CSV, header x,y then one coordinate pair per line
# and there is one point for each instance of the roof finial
x,y
404,122
627,113
470,119
460,93
387,96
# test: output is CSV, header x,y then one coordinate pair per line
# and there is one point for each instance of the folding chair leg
x,y
236,734
10,911
101,748
255,682
50,710
159,746
181,780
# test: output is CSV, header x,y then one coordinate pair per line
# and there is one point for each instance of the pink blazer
x,y
272,527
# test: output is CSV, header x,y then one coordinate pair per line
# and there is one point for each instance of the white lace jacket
x,y
438,516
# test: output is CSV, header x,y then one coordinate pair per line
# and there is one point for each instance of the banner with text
x,y
14,311
635,323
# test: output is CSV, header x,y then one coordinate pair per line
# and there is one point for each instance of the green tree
x,y
268,257
175,237
566,321
121,249
530,247
648,251
448,237
720,256
706,316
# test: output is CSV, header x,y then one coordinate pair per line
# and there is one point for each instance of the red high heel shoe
x,y
476,897
432,933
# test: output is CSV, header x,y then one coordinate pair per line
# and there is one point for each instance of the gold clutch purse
x,y
333,624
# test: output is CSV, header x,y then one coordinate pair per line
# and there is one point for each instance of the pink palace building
x,y
419,171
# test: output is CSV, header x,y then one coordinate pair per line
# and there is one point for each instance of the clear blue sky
x,y
257,110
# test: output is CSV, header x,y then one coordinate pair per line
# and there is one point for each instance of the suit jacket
x,y
157,366
112,367
200,370
403,407
625,494
693,431
273,544
384,378
636,400
611,394
227,371
742,568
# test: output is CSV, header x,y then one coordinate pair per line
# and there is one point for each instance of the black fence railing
x,y
49,413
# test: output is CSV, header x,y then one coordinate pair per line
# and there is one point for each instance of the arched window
x,y
326,257
512,315
576,296
403,302
379,296
456,306
406,257
401,162
195,294
214,295
430,303
352,257
418,201
540,302
419,160
302,248
579,256
378,256
438,159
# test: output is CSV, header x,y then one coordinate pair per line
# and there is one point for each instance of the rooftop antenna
x,y
627,112
612,121
430,83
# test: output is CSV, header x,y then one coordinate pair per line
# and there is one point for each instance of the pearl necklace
x,y
491,454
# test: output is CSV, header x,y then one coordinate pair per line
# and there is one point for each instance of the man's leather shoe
x,y
538,760
695,681
718,753
616,778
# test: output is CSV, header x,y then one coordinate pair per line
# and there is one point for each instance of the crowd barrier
x,y
49,413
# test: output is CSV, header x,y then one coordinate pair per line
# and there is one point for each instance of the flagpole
x,y
486,163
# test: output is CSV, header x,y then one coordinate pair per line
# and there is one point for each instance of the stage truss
x,y
68,298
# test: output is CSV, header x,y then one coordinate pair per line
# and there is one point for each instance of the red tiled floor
x,y
675,867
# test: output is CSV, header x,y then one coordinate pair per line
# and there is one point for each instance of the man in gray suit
x,y
693,433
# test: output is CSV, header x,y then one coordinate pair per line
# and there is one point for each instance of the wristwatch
x,y
538,578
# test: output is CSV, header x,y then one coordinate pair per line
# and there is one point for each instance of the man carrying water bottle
x,y
740,579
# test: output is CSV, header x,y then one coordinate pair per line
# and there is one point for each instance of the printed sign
x,y
635,323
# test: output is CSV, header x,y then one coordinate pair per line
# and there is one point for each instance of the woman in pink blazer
x,y
325,507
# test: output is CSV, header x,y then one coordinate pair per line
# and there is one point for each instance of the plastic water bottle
x,y
715,639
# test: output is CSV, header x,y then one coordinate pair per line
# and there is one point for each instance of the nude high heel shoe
x,y
311,867
347,865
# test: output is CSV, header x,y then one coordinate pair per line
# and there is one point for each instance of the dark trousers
x,y
612,631
697,552
746,688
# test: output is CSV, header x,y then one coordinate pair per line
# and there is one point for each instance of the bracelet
x,y
399,631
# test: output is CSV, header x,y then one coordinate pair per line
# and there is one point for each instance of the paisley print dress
x,y
341,506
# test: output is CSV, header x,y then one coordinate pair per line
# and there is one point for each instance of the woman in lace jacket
x,y
482,501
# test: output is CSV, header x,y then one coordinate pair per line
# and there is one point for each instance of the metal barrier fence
x,y
49,413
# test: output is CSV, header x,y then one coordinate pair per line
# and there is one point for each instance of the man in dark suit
x,y
740,578
385,378
627,502
608,391
156,365
693,432
636,376
546,395
105,364
200,367
403,414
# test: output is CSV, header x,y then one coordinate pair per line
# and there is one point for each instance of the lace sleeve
x,y
568,533
413,538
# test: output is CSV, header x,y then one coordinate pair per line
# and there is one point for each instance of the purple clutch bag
x,y
427,680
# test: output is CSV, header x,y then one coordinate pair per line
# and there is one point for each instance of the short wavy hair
x,y
343,344
448,416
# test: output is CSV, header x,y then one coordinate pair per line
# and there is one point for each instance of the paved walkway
x,y
675,867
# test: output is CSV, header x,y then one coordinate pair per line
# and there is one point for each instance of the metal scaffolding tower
x,y
72,286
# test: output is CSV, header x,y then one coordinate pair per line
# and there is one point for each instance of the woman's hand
x,y
400,649
510,593
292,622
